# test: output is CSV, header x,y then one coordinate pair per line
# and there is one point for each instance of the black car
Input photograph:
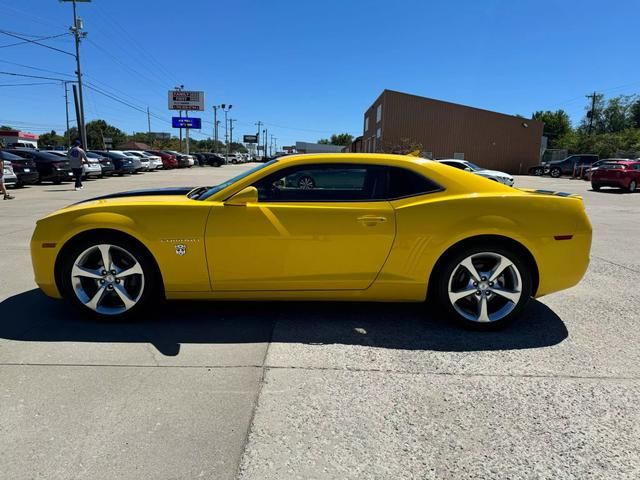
x,y
211,159
105,163
51,168
573,164
121,163
24,168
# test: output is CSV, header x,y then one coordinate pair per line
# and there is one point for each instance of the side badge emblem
x,y
181,249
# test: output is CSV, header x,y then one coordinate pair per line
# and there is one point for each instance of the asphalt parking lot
x,y
306,390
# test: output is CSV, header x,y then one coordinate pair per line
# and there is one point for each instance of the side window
x,y
406,183
321,183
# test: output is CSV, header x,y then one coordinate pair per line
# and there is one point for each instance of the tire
x,y
595,187
452,278
537,172
306,183
555,172
632,186
57,181
108,295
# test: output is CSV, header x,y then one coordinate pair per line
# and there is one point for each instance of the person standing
x,y
3,189
77,157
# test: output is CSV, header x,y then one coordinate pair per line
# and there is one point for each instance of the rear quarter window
x,y
402,183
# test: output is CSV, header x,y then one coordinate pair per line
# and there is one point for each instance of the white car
x,y
91,169
9,176
495,175
149,162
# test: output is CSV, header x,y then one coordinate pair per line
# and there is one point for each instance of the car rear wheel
x,y
483,287
632,186
537,171
108,276
595,187
555,172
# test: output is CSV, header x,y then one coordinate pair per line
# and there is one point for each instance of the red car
x,y
168,160
616,173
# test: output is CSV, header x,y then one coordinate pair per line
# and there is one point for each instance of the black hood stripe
x,y
178,191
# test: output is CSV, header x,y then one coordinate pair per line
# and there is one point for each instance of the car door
x,y
303,237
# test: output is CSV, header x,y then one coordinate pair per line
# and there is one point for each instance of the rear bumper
x,y
28,178
620,183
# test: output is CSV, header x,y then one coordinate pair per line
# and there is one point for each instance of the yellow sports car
x,y
356,227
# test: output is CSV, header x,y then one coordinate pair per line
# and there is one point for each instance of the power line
x,y
36,68
37,43
13,74
30,41
26,84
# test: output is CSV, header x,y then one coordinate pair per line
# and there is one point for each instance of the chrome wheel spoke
x,y
94,302
105,253
468,265
503,264
79,271
512,296
483,310
135,269
124,296
455,296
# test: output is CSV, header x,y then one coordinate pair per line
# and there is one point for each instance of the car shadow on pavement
x,y
33,317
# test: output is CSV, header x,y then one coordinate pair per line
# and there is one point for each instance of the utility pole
x,y
265,134
217,141
215,128
231,120
259,124
149,126
225,108
66,107
275,145
591,114
78,34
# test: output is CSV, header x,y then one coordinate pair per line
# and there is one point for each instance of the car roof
x,y
620,160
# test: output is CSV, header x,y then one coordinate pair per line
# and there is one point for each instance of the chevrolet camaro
x,y
368,227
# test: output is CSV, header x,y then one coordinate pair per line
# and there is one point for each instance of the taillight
x,y
59,165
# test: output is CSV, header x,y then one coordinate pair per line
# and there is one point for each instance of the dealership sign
x,y
186,100
186,122
250,139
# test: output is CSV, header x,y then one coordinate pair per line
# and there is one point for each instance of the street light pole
x,y
215,128
66,107
78,34
225,108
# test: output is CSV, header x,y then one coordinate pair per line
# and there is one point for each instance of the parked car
x,y
122,164
9,177
168,160
91,169
51,168
144,161
478,250
618,173
494,175
586,172
24,168
570,165
212,159
105,163
184,161
155,162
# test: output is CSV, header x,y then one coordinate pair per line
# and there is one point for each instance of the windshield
x,y
215,189
473,166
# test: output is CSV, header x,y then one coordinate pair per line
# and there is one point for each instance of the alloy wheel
x,y
485,287
306,183
107,279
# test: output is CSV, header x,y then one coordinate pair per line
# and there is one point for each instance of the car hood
x,y
150,192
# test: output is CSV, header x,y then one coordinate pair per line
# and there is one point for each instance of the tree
x,y
51,139
6,127
556,124
97,130
342,139
634,114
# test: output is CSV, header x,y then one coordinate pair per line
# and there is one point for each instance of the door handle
x,y
372,220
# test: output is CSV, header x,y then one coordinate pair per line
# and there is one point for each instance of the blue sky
x,y
310,68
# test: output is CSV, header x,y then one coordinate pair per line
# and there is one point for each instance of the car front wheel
x,y
632,186
484,287
109,276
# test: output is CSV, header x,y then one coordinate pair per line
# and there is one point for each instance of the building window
x,y
378,133
458,155
379,113
366,123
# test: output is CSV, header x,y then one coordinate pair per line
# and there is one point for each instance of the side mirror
x,y
240,199
467,169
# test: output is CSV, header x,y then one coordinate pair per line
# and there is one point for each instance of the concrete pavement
x,y
310,390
